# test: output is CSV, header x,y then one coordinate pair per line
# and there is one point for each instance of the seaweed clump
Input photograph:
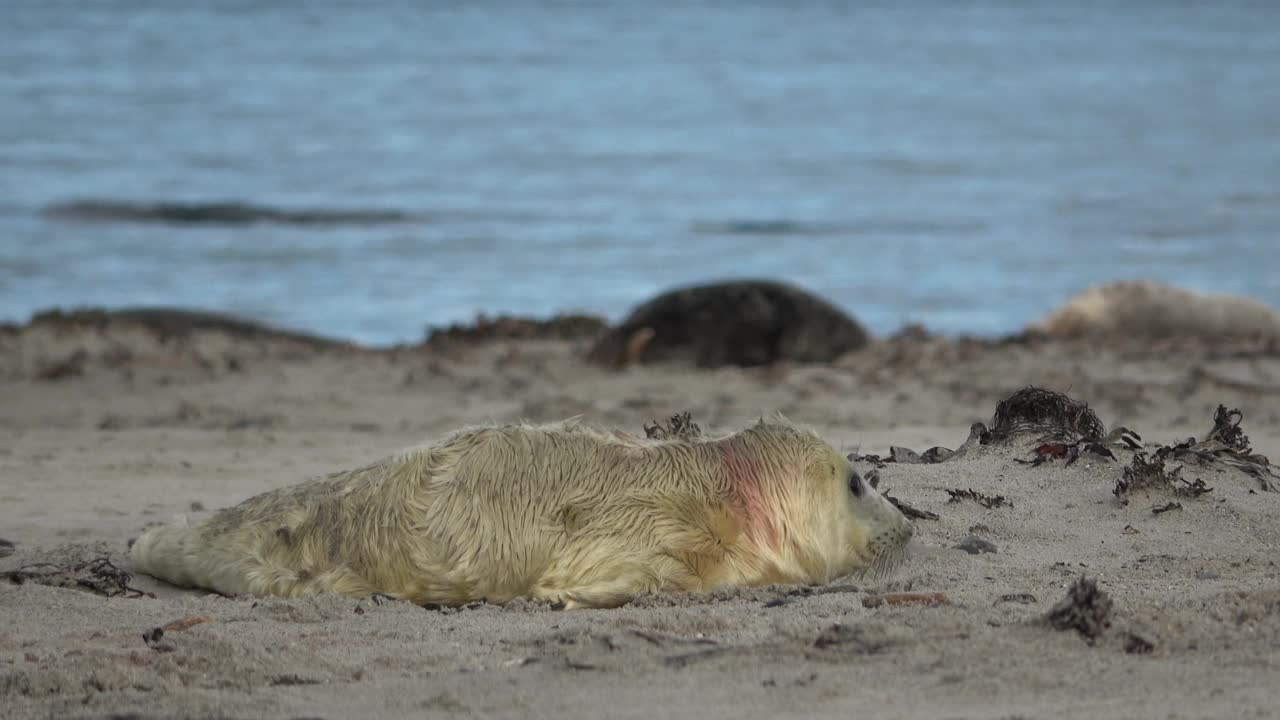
x,y
1047,414
1145,474
1225,443
99,575
1086,609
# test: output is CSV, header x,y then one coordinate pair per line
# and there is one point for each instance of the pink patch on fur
x,y
747,495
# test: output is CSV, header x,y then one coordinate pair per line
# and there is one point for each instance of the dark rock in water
x,y
6,548
742,323
218,213
975,545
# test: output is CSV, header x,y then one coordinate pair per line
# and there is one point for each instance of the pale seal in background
x,y
564,513
1145,309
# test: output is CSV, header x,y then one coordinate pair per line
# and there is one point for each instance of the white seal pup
x,y
565,513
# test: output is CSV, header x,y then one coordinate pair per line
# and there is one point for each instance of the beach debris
x,y
873,459
986,501
1226,443
744,323
1070,451
907,456
153,638
1050,415
1020,598
937,454
911,598
975,545
904,455
1135,644
99,575
863,639
908,510
6,548
679,427
1166,508
1123,436
568,326
1146,474
978,435
1085,609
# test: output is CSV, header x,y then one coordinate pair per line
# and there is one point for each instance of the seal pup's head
x,y
805,511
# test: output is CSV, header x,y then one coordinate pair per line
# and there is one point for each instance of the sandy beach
x,y
107,427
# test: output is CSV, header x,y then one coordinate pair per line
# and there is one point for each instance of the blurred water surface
x,y
965,165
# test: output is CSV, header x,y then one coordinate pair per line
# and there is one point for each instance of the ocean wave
x,y
220,213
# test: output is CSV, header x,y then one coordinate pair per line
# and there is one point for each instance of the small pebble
x,y
975,545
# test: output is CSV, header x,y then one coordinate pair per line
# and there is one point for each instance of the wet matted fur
x,y
564,512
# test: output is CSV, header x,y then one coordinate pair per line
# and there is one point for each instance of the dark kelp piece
x,y
1148,474
742,323
1086,609
986,501
1047,415
1227,444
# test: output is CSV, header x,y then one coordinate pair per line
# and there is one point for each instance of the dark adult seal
x,y
744,323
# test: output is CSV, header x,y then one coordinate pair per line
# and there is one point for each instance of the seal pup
x,y
565,513
1141,308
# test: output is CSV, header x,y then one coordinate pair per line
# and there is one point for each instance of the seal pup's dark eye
x,y
856,485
